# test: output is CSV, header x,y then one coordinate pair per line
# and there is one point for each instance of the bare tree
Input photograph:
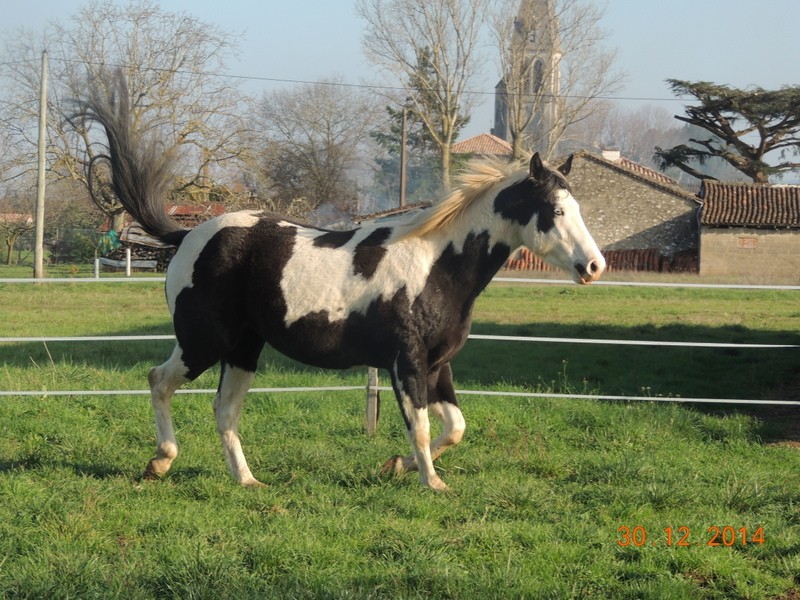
x,y
555,70
16,220
171,61
438,38
311,145
637,132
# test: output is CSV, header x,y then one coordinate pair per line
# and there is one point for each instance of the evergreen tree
x,y
744,126
425,127
423,164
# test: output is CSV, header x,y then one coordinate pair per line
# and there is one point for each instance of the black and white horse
x,y
396,296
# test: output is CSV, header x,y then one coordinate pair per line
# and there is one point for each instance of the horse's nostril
x,y
593,267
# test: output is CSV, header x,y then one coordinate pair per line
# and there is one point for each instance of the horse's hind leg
x,y
234,383
164,380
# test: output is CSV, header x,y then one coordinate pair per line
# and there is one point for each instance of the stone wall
x,y
625,212
757,254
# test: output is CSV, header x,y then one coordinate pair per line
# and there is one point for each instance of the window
x,y
538,76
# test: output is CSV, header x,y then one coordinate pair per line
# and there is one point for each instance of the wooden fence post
x,y
373,402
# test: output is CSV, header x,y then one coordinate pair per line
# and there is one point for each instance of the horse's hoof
x,y
393,465
157,467
436,485
150,473
253,483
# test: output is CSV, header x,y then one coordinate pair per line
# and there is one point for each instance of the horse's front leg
x,y
410,387
443,403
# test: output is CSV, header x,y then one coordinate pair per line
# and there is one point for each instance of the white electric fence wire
x,y
567,282
352,388
499,338
44,393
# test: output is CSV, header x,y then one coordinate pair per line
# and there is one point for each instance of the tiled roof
x,y
485,143
749,205
646,171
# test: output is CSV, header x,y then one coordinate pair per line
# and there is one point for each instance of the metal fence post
x,y
373,402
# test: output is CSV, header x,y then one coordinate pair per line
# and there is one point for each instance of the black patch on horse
x,y
473,268
517,202
520,201
334,239
222,288
370,252
373,337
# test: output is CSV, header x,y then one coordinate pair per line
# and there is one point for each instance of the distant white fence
x,y
161,279
373,388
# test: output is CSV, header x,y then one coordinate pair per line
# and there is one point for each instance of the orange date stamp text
x,y
682,536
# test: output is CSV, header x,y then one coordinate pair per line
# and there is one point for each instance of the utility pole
x,y
38,249
403,159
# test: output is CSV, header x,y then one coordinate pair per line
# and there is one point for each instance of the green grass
x,y
540,487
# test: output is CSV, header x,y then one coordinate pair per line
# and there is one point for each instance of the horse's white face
x,y
562,239
545,218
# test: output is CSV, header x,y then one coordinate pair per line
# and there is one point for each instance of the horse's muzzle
x,y
591,271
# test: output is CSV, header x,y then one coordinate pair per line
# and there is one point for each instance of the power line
x,y
365,86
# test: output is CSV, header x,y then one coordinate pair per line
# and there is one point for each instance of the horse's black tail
x,y
141,168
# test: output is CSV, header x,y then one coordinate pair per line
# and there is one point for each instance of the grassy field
x,y
550,498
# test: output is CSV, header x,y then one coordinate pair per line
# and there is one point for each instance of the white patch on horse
x,y
181,268
318,279
453,427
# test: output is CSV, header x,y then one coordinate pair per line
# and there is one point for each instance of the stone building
x,y
751,231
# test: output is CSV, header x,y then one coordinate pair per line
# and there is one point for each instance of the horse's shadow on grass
x,y
100,471
93,471
119,353
523,361
648,371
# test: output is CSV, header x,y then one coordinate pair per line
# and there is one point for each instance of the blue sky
x,y
737,42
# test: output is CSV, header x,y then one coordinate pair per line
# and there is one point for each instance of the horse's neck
x,y
477,245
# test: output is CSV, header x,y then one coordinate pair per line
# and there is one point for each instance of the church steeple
x,y
526,98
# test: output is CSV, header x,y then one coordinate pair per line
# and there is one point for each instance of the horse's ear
x,y
537,167
567,166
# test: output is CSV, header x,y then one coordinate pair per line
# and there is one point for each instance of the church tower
x,y
527,97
